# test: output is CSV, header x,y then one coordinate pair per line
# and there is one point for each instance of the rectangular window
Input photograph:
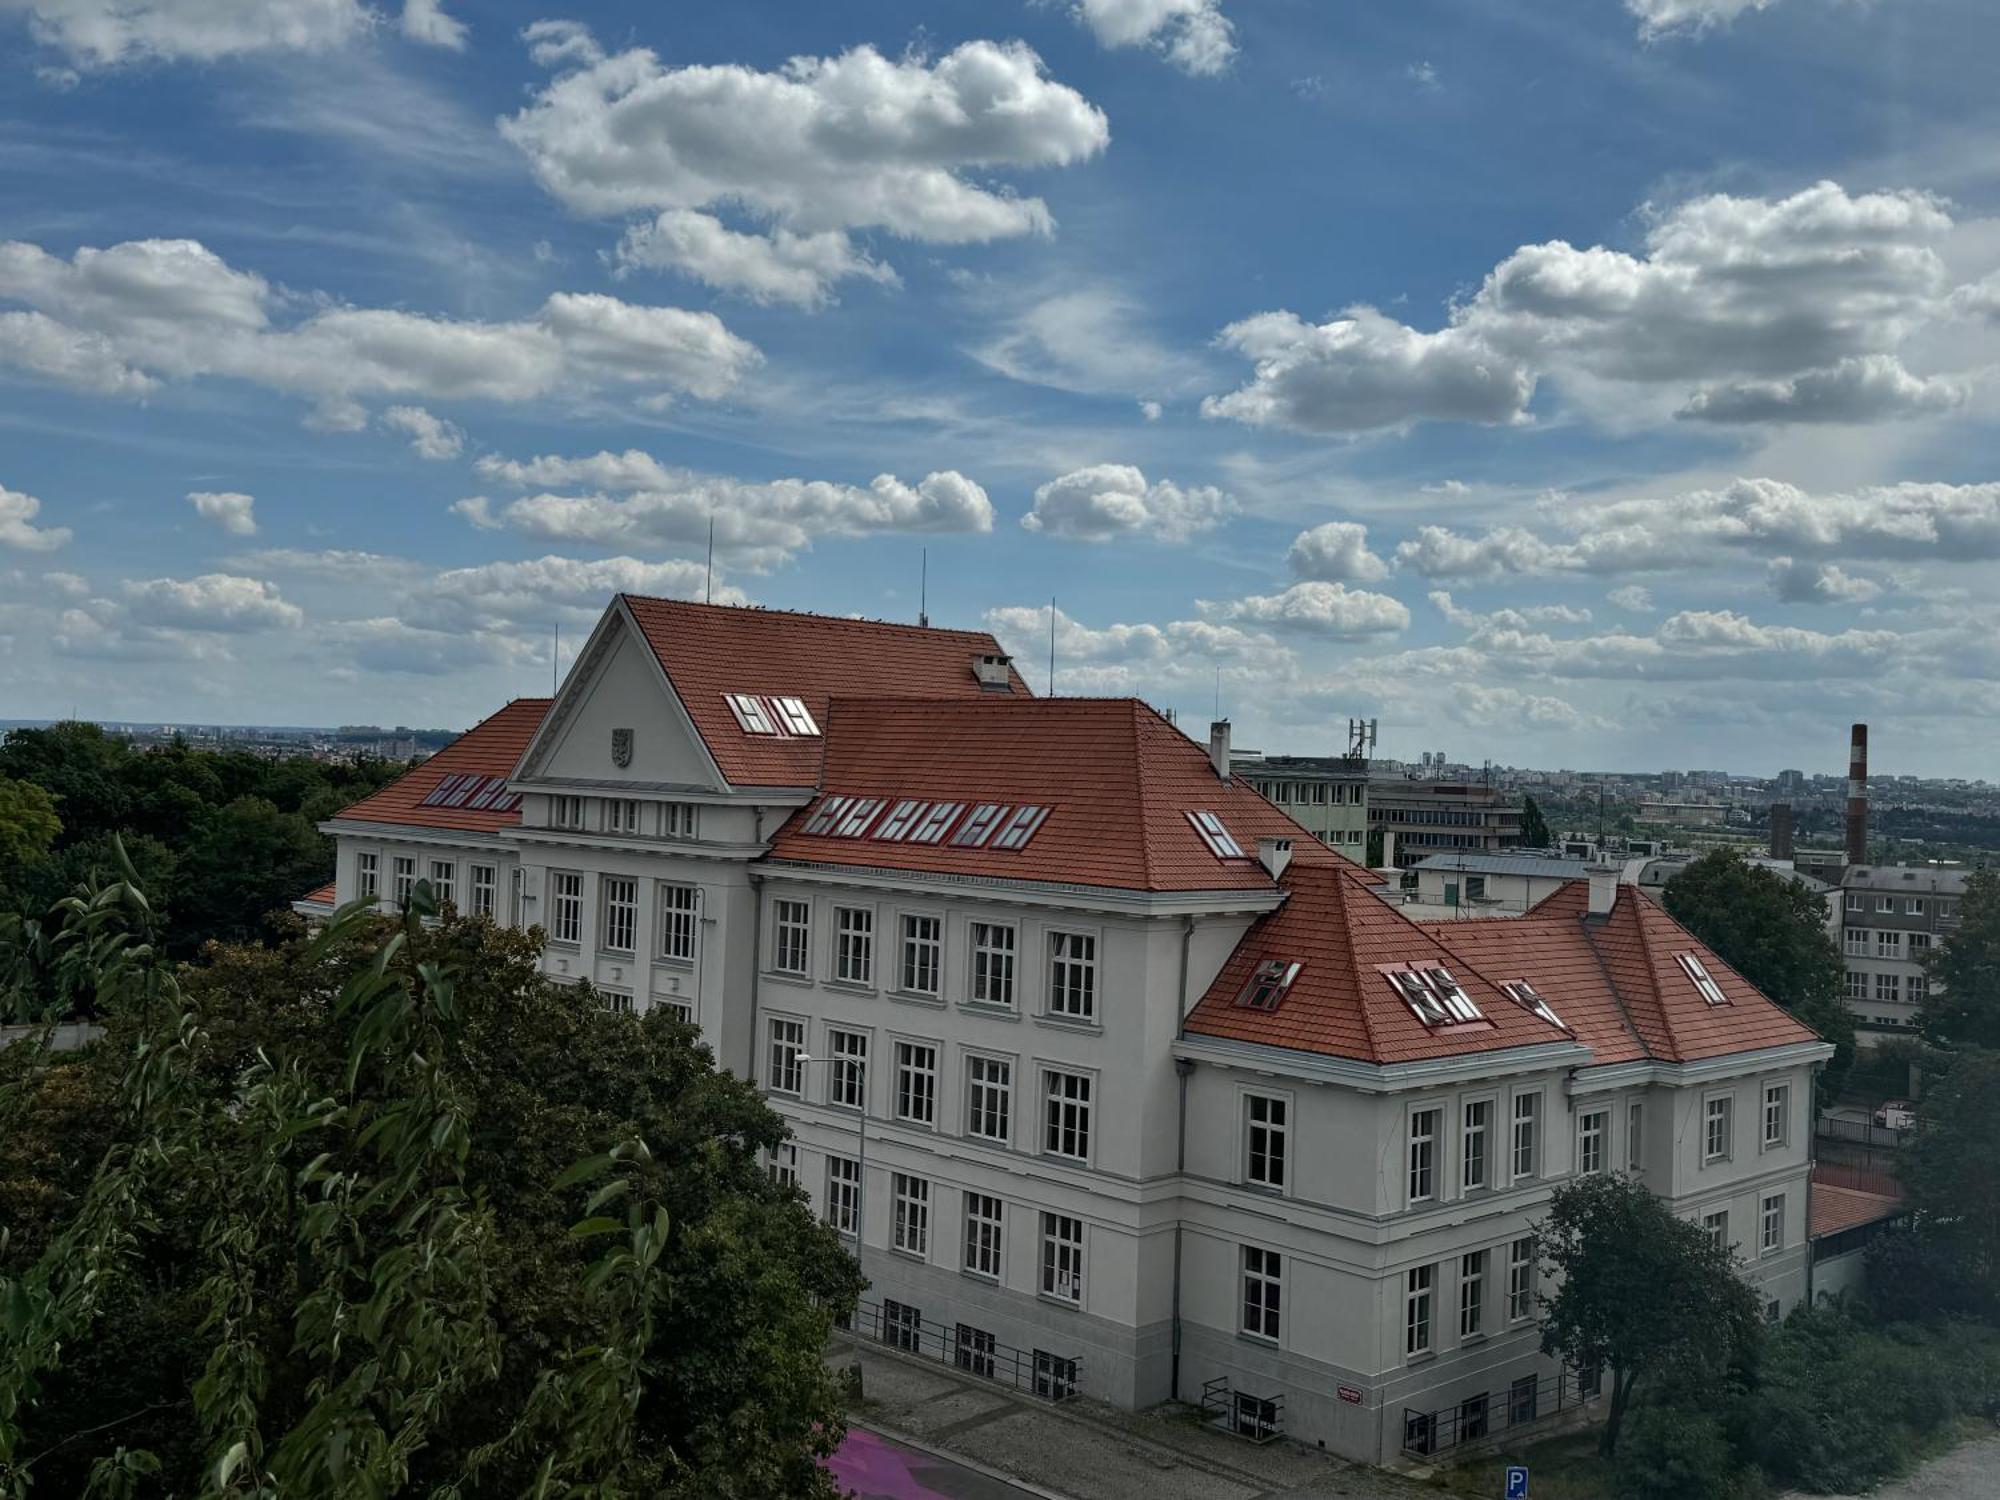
x,y
1859,940
1527,1146
910,1226
923,942
1066,1115
566,812
485,890
1423,1155
902,1325
367,875
1888,987
1523,1400
1478,1125
1073,975
621,913
1716,1120
993,964
788,1043
843,1193
1264,1136
565,906
784,1164
916,1082
1917,989
405,871
1262,1274
678,905
795,716
1885,903
974,1351
1856,901
983,1230
621,815
1472,1419
989,1099
1857,985
1420,1290
1777,1113
1772,1236
847,1069
791,937
1521,1262
1635,1136
680,820
1472,1294
1920,946
1717,1226
751,715
1055,1376
854,944
618,1002
1914,907
444,882
1062,1257
1591,1128
1888,943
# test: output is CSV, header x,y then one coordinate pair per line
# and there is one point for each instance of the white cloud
x,y
1092,340
758,523
502,595
18,528
1331,610
1784,309
425,21
1481,706
172,309
1658,18
1336,551
1440,552
1115,660
1104,501
342,565
41,346
102,33
1796,581
1423,75
232,511
780,267
430,437
1634,598
219,602
1194,35
1513,618
385,644
1150,410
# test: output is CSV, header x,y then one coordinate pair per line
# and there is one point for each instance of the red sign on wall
x,y
1350,1394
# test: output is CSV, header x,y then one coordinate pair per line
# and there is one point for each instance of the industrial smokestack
x,y
1857,797
1781,830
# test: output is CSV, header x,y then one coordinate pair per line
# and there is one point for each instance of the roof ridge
x,y
1342,891
805,614
1611,983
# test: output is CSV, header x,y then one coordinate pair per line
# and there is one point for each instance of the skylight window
x,y
828,813
1221,843
1529,999
1704,982
978,825
751,715
795,716
437,794
860,813
1018,829
463,792
1434,996
902,818
1268,984
932,827
482,800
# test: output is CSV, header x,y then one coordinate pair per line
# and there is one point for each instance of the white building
x,y
1156,1096
1890,918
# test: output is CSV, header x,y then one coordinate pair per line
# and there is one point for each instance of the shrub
x,y
1673,1452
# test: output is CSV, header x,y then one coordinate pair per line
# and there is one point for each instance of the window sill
x,y
989,1009
1074,1304
984,1278
623,955
1471,1340
669,961
785,976
1061,1022
1259,1340
913,997
1424,1357
850,987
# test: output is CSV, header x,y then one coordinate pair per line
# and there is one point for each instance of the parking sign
x,y
1517,1482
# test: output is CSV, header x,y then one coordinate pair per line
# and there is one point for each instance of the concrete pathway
x,y
1970,1471
872,1467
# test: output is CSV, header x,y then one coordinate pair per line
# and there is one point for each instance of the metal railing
x,y
1258,1418
1531,1399
971,1350
1861,1133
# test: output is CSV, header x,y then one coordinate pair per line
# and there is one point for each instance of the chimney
x,y
1274,855
1857,797
1603,888
1218,747
992,671
1781,830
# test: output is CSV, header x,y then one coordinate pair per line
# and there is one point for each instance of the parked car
x,y
1897,1114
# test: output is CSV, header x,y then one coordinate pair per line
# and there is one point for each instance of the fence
x,y
1258,1418
1053,1377
1860,1133
1528,1400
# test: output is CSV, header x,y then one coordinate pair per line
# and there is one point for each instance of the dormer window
x,y
751,715
1434,996
1529,999
1268,984
1221,843
1704,982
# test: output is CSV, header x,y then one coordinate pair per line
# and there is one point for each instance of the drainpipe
x,y
756,880
1812,1156
1183,1066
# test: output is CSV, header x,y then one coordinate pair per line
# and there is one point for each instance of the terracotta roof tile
x,y
323,896
1838,1208
492,747
709,650
1117,778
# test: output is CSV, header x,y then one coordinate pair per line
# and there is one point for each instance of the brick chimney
x,y
1857,796
1218,747
1781,830
1603,887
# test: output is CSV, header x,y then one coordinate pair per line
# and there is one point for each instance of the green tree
x,y
388,1213
1534,827
28,824
80,766
1641,1294
1773,932
1962,1005
1950,1168
246,860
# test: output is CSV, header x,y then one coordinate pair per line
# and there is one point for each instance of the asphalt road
x,y
872,1467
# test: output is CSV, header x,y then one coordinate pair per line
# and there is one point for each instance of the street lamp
x,y
860,1157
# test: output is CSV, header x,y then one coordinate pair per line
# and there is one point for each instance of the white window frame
x,y
785,1069
1859,941
1419,1311
1423,1125
854,946
1472,1267
1483,1134
1261,1279
1710,1115
847,1068
1063,1268
989,1098
403,870
985,1236
444,881
680,919
620,815
1523,1267
619,920
1266,1154
992,976
1889,942
680,820
843,1194
367,874
566,812
791,936
1889,989
1524,1136
566,907
783,1164
1716,1226
1635,1135
916,1081
911,947
1593,1141
910,1215
1073,976
483,887
1771,1224
1068,1098
1777,1132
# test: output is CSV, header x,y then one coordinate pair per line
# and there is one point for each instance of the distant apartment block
x,y
1890,919
1327,796
1419,818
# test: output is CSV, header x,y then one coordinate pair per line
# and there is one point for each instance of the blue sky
x,y
1565,382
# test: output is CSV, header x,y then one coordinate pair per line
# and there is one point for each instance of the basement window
x,y
1704,982
1268,984
1221,843
1529,999
751,715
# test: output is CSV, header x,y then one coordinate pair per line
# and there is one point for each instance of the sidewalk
x,y
1081,1450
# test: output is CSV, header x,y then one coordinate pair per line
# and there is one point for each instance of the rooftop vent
x,y
1274,855
1218,747
994,671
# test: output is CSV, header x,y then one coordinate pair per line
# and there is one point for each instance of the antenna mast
x,y
1052,645
555,658
924,589
708,583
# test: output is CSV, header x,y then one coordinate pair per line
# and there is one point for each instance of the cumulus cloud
x,y
1336,551
225,603
18,528
1104,501
1317,608
1440,552
1125,659
387,645
1193,35
1513,618
503,595
232,511
425,21
1659,18
814,149
1739,309
121,318
1633,598
102,33
430,437
1796,581
634,501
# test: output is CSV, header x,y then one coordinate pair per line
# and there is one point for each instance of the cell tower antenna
x,y
708,582
924,589
1052,645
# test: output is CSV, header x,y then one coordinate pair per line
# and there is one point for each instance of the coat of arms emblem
x,y
621,747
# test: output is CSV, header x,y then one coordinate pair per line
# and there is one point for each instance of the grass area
x,y
1559,1468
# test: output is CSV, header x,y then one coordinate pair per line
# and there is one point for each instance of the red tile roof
x,y
323,896
709,650
1838,1208
492,747
1119,781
